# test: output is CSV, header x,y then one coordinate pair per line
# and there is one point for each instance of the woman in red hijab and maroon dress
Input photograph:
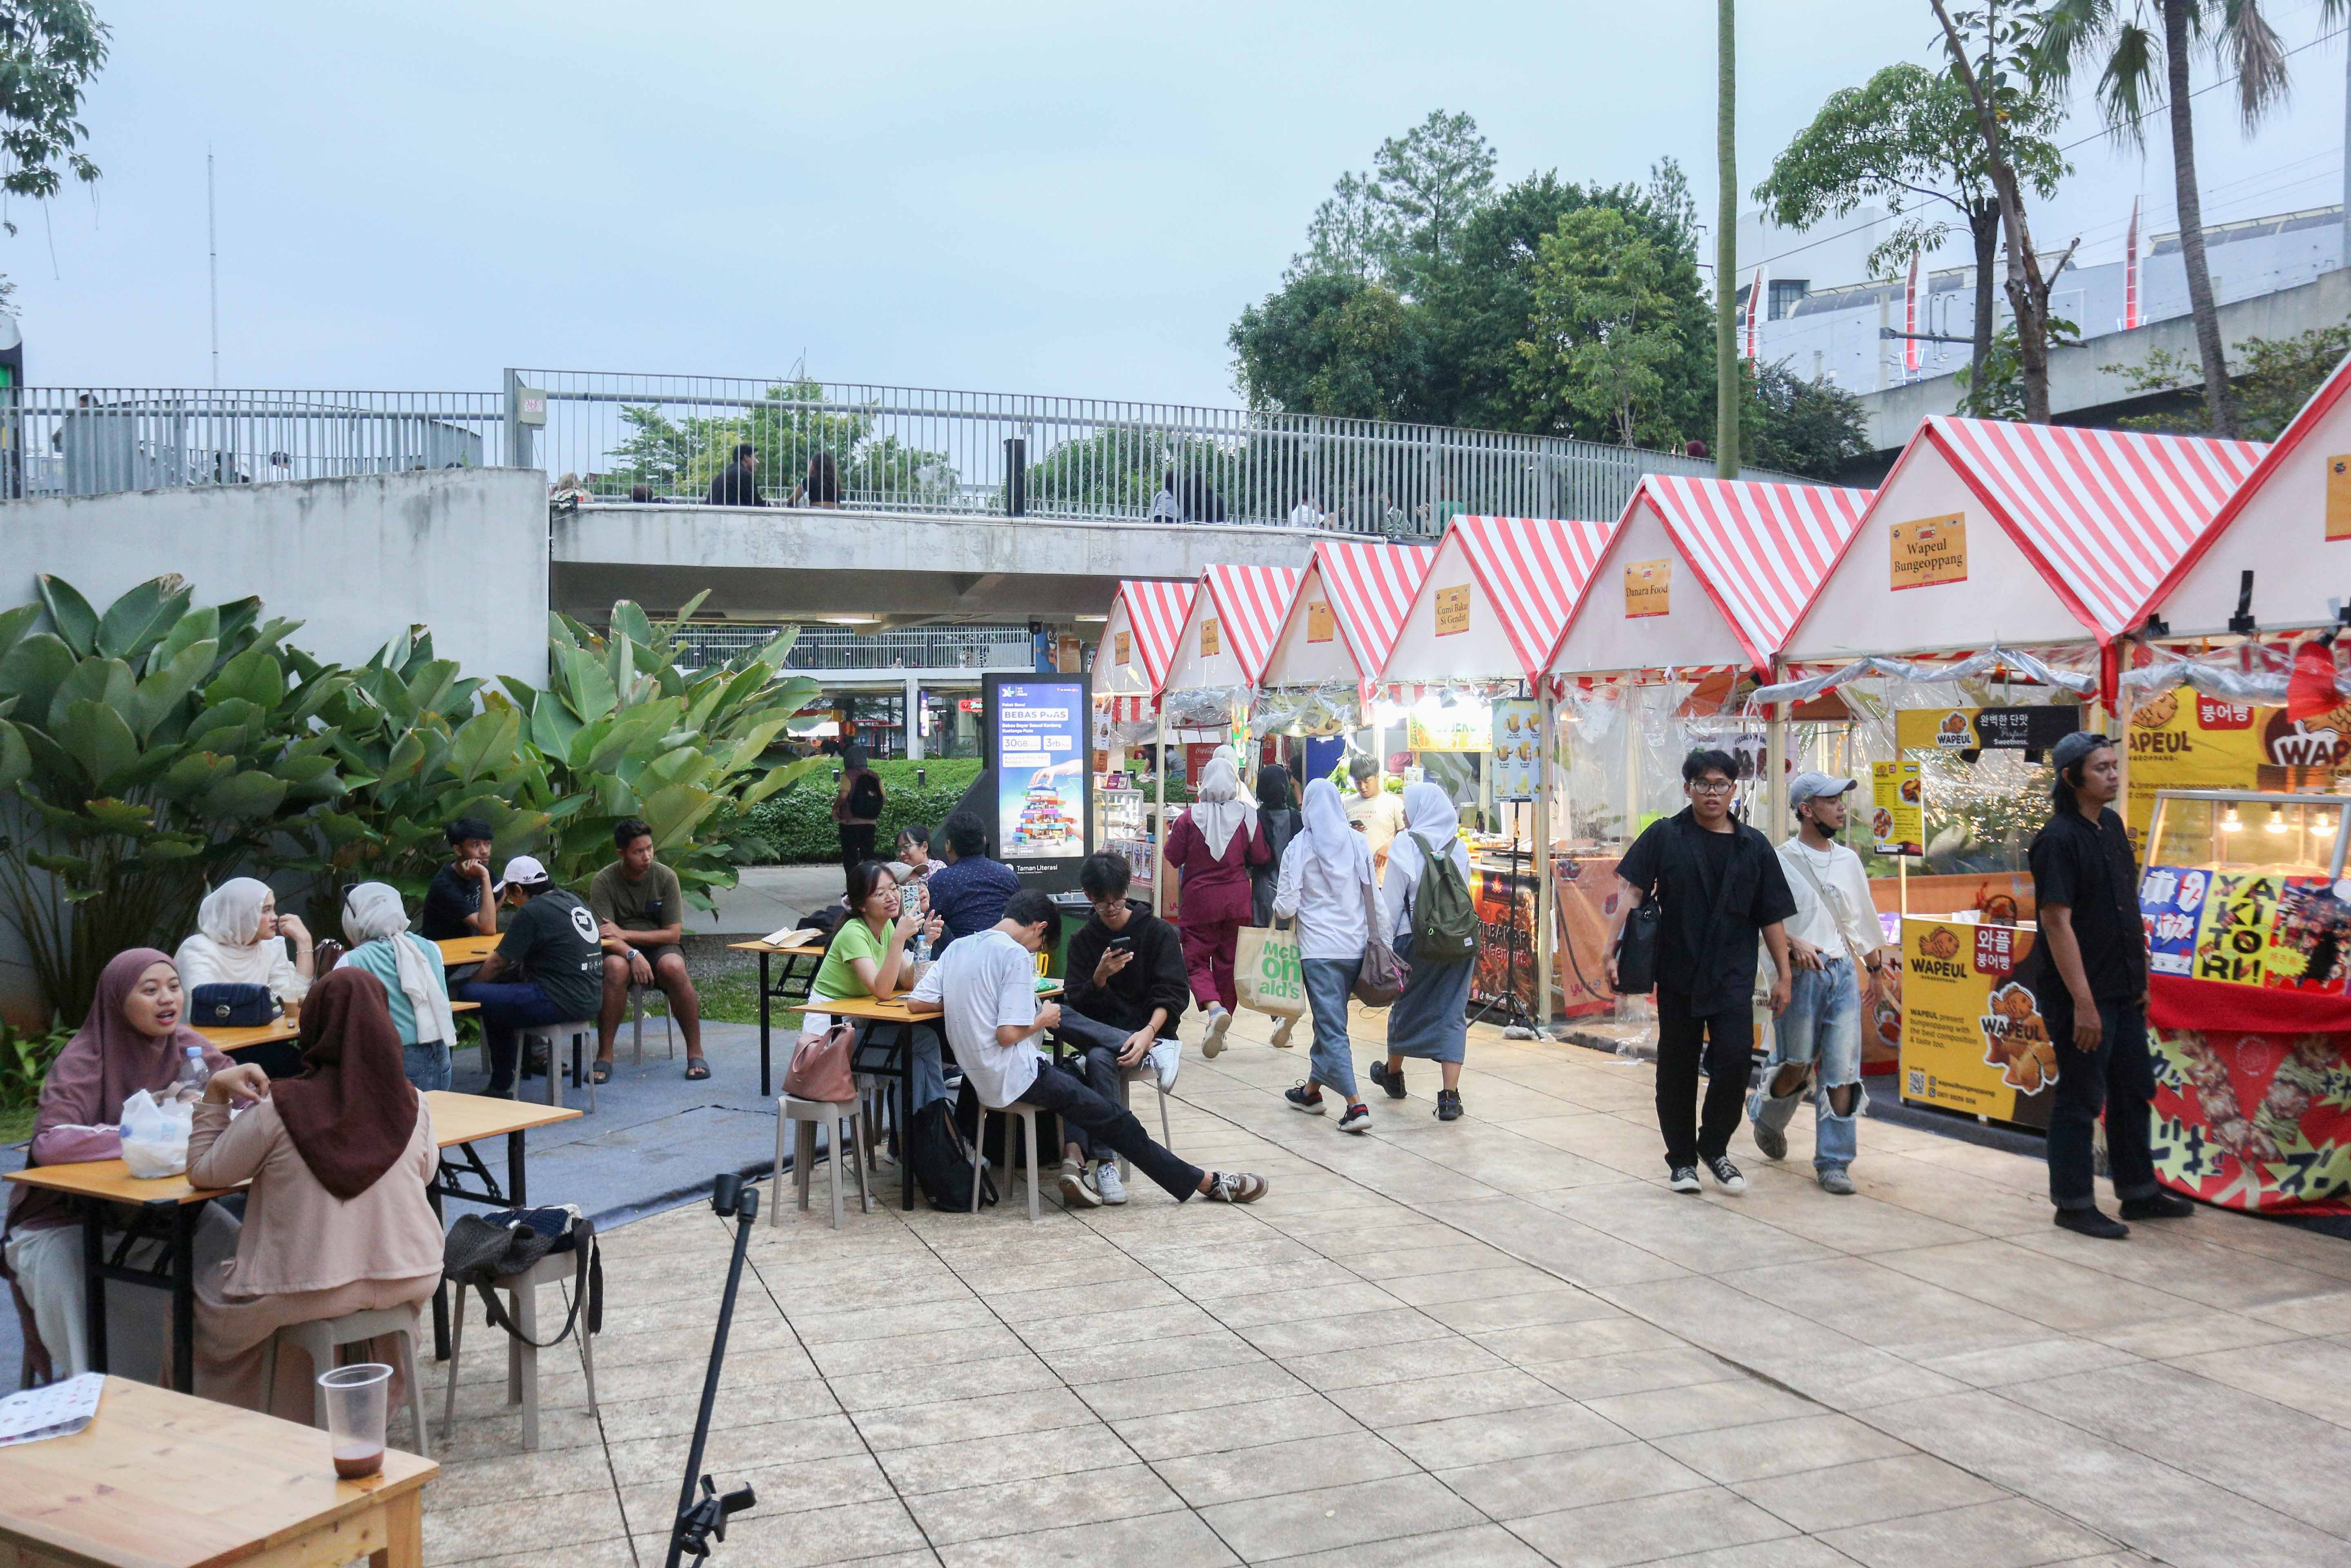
x,y
336,1221
1212,847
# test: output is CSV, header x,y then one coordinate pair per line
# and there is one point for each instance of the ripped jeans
x,y
1821,1029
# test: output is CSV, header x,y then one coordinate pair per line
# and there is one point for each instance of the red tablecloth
x,y
2252,1097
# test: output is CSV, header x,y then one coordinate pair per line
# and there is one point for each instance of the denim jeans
x,y
1108,1124
2119,1076
1328,983
426,1065
508,1006
1821,1029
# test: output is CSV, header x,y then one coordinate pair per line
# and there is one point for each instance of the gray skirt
x,y
1431,1020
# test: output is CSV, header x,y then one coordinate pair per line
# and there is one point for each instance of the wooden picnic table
x,y
457,950
173,1204
159,1479
800,965
244,1036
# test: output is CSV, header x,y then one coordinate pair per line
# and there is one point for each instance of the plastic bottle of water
x,y
922,933
193,1074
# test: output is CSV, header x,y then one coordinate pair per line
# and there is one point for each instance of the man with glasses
x,y
1124,990
1718,887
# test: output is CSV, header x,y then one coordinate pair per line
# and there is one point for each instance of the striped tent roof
x,y
1761,551
1535,571
2104,514
1155,609
1250,601
1370,586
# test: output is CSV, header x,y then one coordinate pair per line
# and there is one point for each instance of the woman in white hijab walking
x,y
1326,886
1431,1020
240,940
415,986
1212,847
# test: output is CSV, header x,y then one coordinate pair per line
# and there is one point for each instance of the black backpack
x,y
941,1158
865,795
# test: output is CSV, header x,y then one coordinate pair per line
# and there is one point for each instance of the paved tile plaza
x,y
1497,1341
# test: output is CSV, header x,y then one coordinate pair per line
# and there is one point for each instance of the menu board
x,y
1517,749
1036,739
1973,1035
1898,817
2244,928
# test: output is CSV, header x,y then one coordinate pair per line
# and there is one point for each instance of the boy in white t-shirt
x,y
986,986
1834,942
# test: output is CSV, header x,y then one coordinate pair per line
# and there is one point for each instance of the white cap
x,y
521,871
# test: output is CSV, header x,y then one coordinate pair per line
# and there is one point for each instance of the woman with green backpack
x,y
1427,887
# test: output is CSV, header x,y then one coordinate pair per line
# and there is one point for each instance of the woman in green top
x,y
870,955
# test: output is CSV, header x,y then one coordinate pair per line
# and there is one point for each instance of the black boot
x,y
2090,1222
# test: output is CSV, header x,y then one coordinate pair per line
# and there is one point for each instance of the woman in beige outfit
x,y
336,1221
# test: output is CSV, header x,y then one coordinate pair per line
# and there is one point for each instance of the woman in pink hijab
x,y
133,1039
1212,847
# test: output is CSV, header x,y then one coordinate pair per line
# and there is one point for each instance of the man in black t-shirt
x,y
462,900
554,950
1718,887
2091,980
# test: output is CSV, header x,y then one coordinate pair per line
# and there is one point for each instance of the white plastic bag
x,y
155,1135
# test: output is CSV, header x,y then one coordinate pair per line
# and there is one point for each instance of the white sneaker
x,y
1212,1033
1107,1183
1358,1119
1075,1192
1166,1057
1282,1032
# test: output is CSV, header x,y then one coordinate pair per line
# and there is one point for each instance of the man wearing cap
x,y
1834,942
2089,973
556,954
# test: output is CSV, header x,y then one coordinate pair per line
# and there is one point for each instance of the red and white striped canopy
x,y
1250,601
1533,570
1370,586
2104,514
1155,609
1762,551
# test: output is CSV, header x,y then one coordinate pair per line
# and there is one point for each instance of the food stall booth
x,y
1212,673
1350,604
1130,663
1695,594
1460,679
1976,614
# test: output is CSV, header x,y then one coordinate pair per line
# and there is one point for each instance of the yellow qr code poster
x,y
1972,1036
1319,625
1452,610
1929,552
1648,586
2338,497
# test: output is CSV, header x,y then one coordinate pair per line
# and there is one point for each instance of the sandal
x,y
696,1068
603,1072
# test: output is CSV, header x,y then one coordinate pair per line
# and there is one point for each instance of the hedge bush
x,y
798,822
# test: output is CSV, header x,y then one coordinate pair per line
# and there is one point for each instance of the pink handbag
x,y
820,1068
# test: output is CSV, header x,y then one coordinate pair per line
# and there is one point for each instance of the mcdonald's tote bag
x,y
1266,972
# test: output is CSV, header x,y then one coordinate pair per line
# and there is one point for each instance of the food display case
x,y
1126,829
2248,936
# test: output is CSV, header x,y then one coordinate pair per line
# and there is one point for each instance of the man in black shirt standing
x,y
2090,981
462,900
1720,887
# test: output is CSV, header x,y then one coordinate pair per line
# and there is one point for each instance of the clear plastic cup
x,y
357,1398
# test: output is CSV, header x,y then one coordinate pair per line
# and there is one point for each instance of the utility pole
x,y
212,264
1726,246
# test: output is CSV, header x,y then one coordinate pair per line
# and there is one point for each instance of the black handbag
x,y
230,1007
482,1250
1636,951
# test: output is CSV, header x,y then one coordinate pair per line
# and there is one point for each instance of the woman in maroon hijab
x,y
133,1039
336,1221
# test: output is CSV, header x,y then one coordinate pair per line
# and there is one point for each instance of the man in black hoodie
x,y
1123,991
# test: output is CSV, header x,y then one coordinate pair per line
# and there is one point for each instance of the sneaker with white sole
x,y
1304,1098
1358,1119
1212,1033
1726,1174
1282,1032
1234,1186
1108,1184
1075,1193
1166,1059
1835,1180
1685,1179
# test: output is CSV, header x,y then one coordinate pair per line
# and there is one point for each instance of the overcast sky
x,y
1022,196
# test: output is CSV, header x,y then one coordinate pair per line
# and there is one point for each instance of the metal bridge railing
x,y
832,647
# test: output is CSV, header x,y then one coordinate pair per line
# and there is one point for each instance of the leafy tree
x,y
791,425
1602,326
1334,343
1997,393
1401,220
2130,41
2275,377
1908,137
49,50
1812,428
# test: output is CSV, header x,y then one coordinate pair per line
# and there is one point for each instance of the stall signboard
x,y
1465,727
1962,729
1898,817
1211,637
2184,739
2243,927
1517,750
1973,1035
1320,624
1929,552
1122,647
1648,588
1451,608
1037,742
2338,497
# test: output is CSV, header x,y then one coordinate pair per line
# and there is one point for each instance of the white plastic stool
x,y
522,1360
637,1019
576,1032
322,1338
803,1117
1028,1114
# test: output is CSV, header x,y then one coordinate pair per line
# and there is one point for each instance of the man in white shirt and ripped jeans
x,y
1834,942
986,984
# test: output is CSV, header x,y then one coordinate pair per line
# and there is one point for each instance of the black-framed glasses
x,y
1713,786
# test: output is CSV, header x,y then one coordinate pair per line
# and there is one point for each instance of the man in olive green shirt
x,y
640,917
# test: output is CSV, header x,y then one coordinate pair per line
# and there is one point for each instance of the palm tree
x,y
2133,41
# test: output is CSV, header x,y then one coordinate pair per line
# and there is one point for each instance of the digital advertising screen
x,y
1037,737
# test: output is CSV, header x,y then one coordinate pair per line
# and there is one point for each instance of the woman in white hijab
x,y
1326,886
414,983
241,939
1430,1020
1212,847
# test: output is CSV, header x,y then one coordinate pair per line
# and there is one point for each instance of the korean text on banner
x,y
1898,817
2184,739
1973,1035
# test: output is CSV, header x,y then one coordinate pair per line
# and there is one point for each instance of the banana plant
x,y
144,751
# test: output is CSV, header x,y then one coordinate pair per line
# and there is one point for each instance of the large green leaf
x,y
139,619
772,655
674,812
33,670
254,675
94,736
94,680
192,774
779,779
202,625
552,726
483,742
15,757
69,613
236,617
407,760
121,816
165,689
15,623
628,620
247,794
588,690
631,731
753,746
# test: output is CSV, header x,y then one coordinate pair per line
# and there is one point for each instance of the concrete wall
x,y
357,561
